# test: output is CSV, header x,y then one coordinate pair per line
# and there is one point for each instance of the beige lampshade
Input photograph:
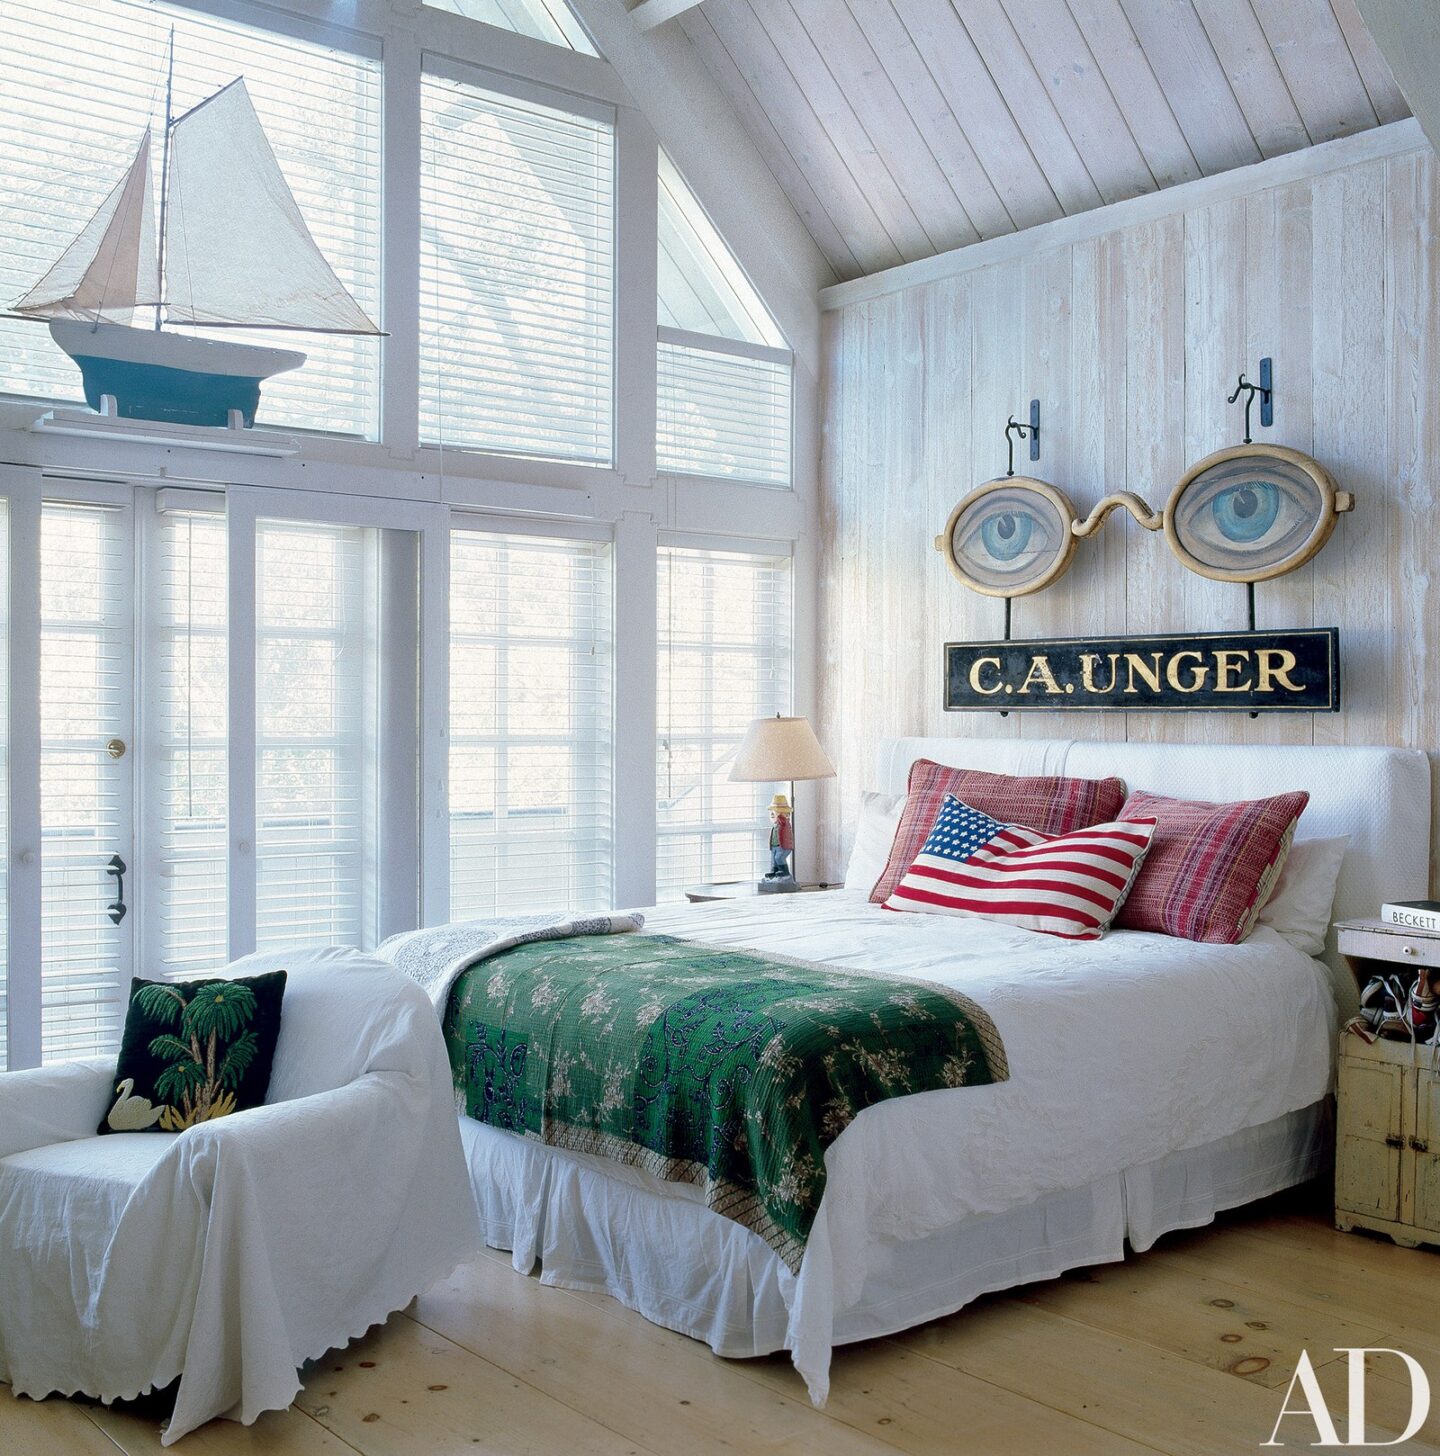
x,y
780,750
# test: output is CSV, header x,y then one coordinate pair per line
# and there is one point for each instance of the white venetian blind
x,y
517,274
86,666
186,773
723,414
531,666
83,78
315,714
724,644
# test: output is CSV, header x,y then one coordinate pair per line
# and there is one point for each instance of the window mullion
x,y
636,762
240,522
434,607
400,278
24,958
637,157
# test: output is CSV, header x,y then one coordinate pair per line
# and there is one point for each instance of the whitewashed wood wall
x,y
1131,340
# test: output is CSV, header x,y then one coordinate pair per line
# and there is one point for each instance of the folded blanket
x,y
723,1068
434,957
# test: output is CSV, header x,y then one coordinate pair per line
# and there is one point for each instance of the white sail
x,y
110,269
237,250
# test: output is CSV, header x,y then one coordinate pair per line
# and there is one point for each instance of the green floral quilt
x,y
723,1068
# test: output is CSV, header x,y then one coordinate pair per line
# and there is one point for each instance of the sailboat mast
x,y
165,171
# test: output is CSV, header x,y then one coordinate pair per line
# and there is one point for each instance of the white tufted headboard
x,y
1380,797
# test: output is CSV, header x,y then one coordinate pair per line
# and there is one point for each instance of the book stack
x,y
1418,915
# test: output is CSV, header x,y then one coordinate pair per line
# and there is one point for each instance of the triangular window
x,y
702,288
724,372
547,20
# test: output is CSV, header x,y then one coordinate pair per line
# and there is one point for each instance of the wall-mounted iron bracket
x,y
1265,389
1009,602
1250,604
1029,432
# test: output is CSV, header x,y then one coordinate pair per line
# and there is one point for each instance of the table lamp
x,y
780,750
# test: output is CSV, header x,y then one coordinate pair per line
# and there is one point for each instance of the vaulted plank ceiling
x,y
903,128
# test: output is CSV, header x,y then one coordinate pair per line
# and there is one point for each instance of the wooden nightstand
x,y
744,890
1387,1157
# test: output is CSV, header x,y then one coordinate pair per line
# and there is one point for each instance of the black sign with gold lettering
x,y
1251,672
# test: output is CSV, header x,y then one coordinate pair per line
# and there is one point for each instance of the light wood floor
x,y
1187,1350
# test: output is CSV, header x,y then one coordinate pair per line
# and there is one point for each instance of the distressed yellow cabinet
x,y
1387,1157
1427,1149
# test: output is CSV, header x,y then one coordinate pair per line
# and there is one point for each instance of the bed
x,y
1153,1083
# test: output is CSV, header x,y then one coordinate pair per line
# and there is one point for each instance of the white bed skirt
x,y
659,1251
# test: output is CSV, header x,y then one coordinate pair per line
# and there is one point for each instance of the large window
x,y
81,81
517,273
316,628
252,700
724,645
531,664
724,373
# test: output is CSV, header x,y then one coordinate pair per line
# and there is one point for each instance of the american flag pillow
x,y
1040,801
1062,884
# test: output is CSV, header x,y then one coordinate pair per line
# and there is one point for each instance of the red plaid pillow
x,y
1211,867
1051,805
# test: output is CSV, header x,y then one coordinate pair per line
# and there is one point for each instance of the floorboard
x,y
1183,1351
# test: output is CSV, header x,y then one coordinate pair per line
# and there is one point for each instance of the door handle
x,y
1418,1147
1394,1141
116,910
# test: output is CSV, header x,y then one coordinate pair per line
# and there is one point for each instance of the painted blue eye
x,y
1249,516
1245,512
1010,536
1007,534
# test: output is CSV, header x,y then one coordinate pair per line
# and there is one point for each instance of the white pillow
x,y
1305,894
874,834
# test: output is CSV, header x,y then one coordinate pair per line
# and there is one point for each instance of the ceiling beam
x,y
650,13
1408,35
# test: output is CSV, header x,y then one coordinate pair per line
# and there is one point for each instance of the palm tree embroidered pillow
x,y
194,1051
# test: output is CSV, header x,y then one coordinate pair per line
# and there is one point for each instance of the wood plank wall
x,y
1131,341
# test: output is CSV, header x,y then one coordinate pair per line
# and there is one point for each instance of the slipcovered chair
x,y
229,1254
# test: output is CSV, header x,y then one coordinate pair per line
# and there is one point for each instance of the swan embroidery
x,y
207,1049
133,1114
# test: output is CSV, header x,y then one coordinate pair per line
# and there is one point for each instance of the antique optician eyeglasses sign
x,y
1253,672
1246,514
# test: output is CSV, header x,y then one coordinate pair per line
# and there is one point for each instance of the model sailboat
x,y
231,250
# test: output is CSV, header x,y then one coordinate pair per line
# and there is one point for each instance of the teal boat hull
x,y
170,396
172,379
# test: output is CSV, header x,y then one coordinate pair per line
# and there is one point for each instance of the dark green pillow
x,y
194,1051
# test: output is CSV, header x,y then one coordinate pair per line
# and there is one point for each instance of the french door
x,y
69,783
211,707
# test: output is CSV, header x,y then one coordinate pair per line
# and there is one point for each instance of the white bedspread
x,y
239,1249
1121,1050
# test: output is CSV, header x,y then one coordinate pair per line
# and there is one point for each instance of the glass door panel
x,y
86,702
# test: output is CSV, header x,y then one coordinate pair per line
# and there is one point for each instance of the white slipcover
x,y
233,1252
